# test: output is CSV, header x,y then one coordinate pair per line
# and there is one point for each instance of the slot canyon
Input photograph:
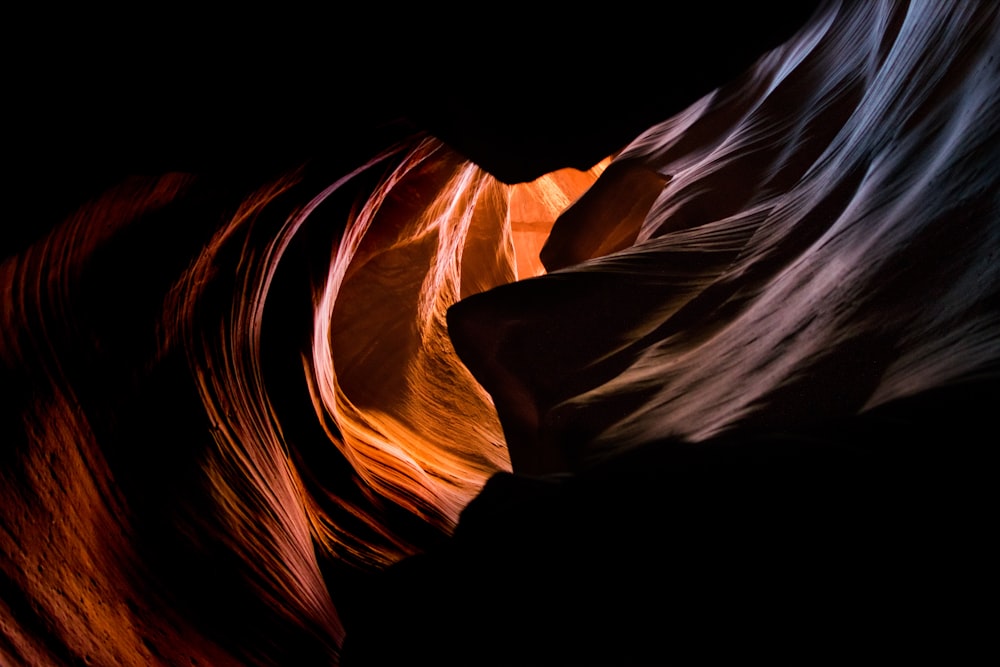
x,y
640,338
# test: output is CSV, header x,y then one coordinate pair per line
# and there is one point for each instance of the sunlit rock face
x,y
384,376
230,393
797,260
252,416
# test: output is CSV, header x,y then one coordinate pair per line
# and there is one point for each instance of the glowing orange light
x,y
397,401
535,206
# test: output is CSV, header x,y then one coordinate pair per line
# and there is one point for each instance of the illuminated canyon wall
x,y
293,374
232,404
786,267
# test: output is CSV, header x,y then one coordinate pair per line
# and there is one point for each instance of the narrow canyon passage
x,y
466,390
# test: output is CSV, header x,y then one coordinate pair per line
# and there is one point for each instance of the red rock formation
x,y
288,384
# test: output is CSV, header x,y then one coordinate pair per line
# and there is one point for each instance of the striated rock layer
x,y
235,399
727,392
794,255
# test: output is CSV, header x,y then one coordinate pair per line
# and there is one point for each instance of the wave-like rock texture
x,y
755,387
797,264
229,396
727,393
